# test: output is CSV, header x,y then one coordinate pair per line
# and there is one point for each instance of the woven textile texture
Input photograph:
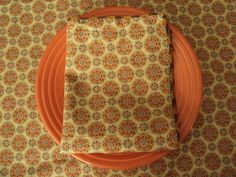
x,y
118,95
26,27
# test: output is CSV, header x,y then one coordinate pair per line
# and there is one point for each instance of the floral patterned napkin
x,y
118,87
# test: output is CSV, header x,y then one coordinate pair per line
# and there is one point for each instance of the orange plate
x,y
50,91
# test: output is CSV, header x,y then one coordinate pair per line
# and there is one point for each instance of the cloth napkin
x,y
118,86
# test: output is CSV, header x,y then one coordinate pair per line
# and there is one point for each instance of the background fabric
x,y
26,28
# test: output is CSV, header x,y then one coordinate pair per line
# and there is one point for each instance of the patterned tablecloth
x,y
26,28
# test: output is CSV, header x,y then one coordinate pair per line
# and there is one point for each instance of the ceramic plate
x,y
50,91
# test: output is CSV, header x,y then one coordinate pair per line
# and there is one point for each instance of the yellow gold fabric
x,y
26,28
118,95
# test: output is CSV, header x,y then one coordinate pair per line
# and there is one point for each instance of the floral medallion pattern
x,y
22,45
124,98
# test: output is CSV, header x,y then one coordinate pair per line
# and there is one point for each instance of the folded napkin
x,y
118,86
